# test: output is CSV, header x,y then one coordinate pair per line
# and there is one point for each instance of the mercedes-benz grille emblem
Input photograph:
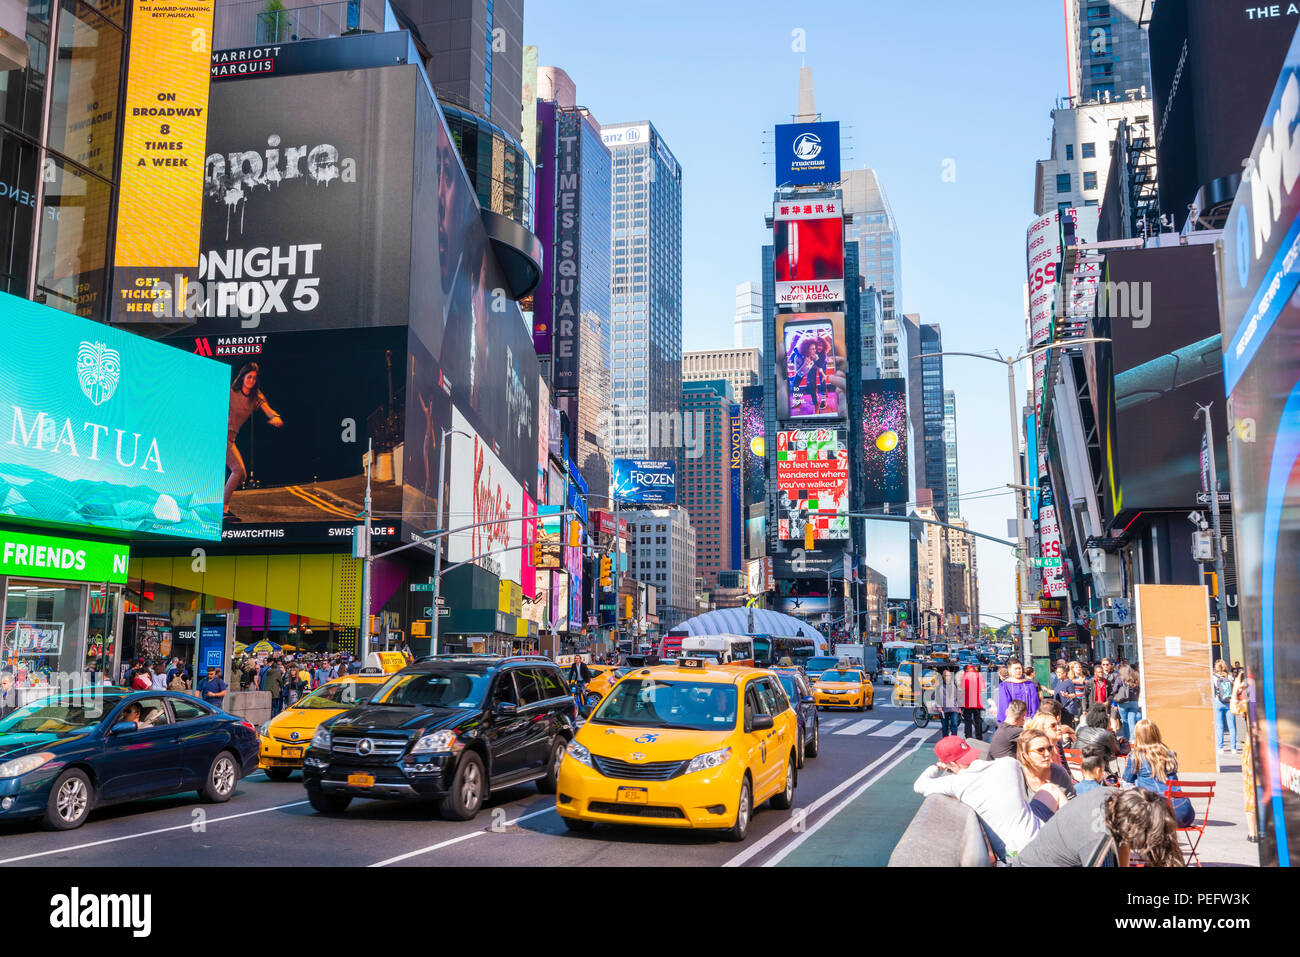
x,y
365,746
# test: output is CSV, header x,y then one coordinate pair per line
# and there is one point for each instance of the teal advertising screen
x,y
102,428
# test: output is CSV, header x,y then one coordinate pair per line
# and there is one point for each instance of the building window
x,y
1062,182
1089,150
1089,180
1069,151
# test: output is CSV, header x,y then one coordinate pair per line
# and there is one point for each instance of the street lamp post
x,y
1022,558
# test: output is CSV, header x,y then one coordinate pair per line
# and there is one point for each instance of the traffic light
x,y
606,569
537,554
374,624
575,534
420,628
809,534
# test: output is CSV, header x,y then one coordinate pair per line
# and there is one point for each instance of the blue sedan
x,y
800,694
67,754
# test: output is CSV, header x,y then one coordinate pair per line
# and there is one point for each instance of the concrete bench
x,y
943,833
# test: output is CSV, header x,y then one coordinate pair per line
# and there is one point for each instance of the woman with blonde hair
x,y
1049,724
1034,751
1152,765
1224,719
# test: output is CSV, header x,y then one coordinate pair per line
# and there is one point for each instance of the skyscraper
x,y
872,225
1107,51
950,449
739,367
747,323
925,397
704,487
646,289
474,54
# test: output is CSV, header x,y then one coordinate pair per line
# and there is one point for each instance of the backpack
x,y
1222,689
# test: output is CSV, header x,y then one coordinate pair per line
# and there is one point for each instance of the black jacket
x,y
1102,738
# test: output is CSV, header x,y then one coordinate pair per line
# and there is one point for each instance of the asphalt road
x,y
270,823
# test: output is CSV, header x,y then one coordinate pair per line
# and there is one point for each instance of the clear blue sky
x,y
914,83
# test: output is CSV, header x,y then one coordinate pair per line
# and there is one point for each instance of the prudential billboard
x,y
640,482
807,154
106,429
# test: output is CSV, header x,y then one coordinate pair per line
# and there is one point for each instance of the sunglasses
x,y
1040,750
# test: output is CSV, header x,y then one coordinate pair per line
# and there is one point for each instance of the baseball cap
x,y
954,750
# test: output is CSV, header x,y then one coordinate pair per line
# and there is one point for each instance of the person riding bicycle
x,y
580,674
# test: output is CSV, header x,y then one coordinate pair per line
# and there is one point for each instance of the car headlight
x,y
25,764
321,739
436,741
709,760
264,729
580,754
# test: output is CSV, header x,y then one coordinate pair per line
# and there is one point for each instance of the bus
x,y
724,649
770,649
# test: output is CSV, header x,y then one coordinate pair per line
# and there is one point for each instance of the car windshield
x,y
345,694
461,688
75,711
841,676
654,703
791,689
820,664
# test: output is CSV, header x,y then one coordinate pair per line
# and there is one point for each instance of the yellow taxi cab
x,y
688,745
286,736
600,684
903,682
843,687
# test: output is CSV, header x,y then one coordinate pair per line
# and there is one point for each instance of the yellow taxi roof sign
x,y
690,663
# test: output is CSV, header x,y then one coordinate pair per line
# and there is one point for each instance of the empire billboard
x,y
808,239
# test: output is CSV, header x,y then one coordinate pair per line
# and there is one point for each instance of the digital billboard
x,y
755,455
163,130
645,482
1261,357
812,479
550,535
809,252
105,429
884,441
810,366
1155,372
482,490
807,154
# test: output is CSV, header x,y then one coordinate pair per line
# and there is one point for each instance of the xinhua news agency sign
x,y
63,559
102,428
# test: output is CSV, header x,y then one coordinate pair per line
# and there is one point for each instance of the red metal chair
x,y
1074,762
1193,791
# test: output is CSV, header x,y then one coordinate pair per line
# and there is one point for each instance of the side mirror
x,y
123,727
807,699
506,708
762,722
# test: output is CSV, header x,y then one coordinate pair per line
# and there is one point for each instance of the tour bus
x,y
724,649
770,649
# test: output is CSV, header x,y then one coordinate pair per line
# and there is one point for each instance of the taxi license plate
x,y
633,795
361,780
291,752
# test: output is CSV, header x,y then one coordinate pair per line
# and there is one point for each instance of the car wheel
x,y
592,700
70,801
468,788
744,811
221,780
816,740
328,803
278,774
577,826
785,800
548,784
871,703
802,746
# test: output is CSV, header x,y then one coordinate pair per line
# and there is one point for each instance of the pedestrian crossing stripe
x,y
893,729
833,723
858,727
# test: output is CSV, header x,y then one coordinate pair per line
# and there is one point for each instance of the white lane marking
x,y
893,729
784,852
857,727
162,830
456,840
833,723
776,835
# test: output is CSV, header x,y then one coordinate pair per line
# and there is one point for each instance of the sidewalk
x,y
1224,843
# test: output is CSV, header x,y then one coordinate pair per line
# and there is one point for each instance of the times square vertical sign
x,y
568,241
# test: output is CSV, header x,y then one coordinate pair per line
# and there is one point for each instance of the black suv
x,y
451,728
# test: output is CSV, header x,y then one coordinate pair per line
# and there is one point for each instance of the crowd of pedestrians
x,y
1034,809
289,678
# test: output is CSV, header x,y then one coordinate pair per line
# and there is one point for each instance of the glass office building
x,y
950,449
646,288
